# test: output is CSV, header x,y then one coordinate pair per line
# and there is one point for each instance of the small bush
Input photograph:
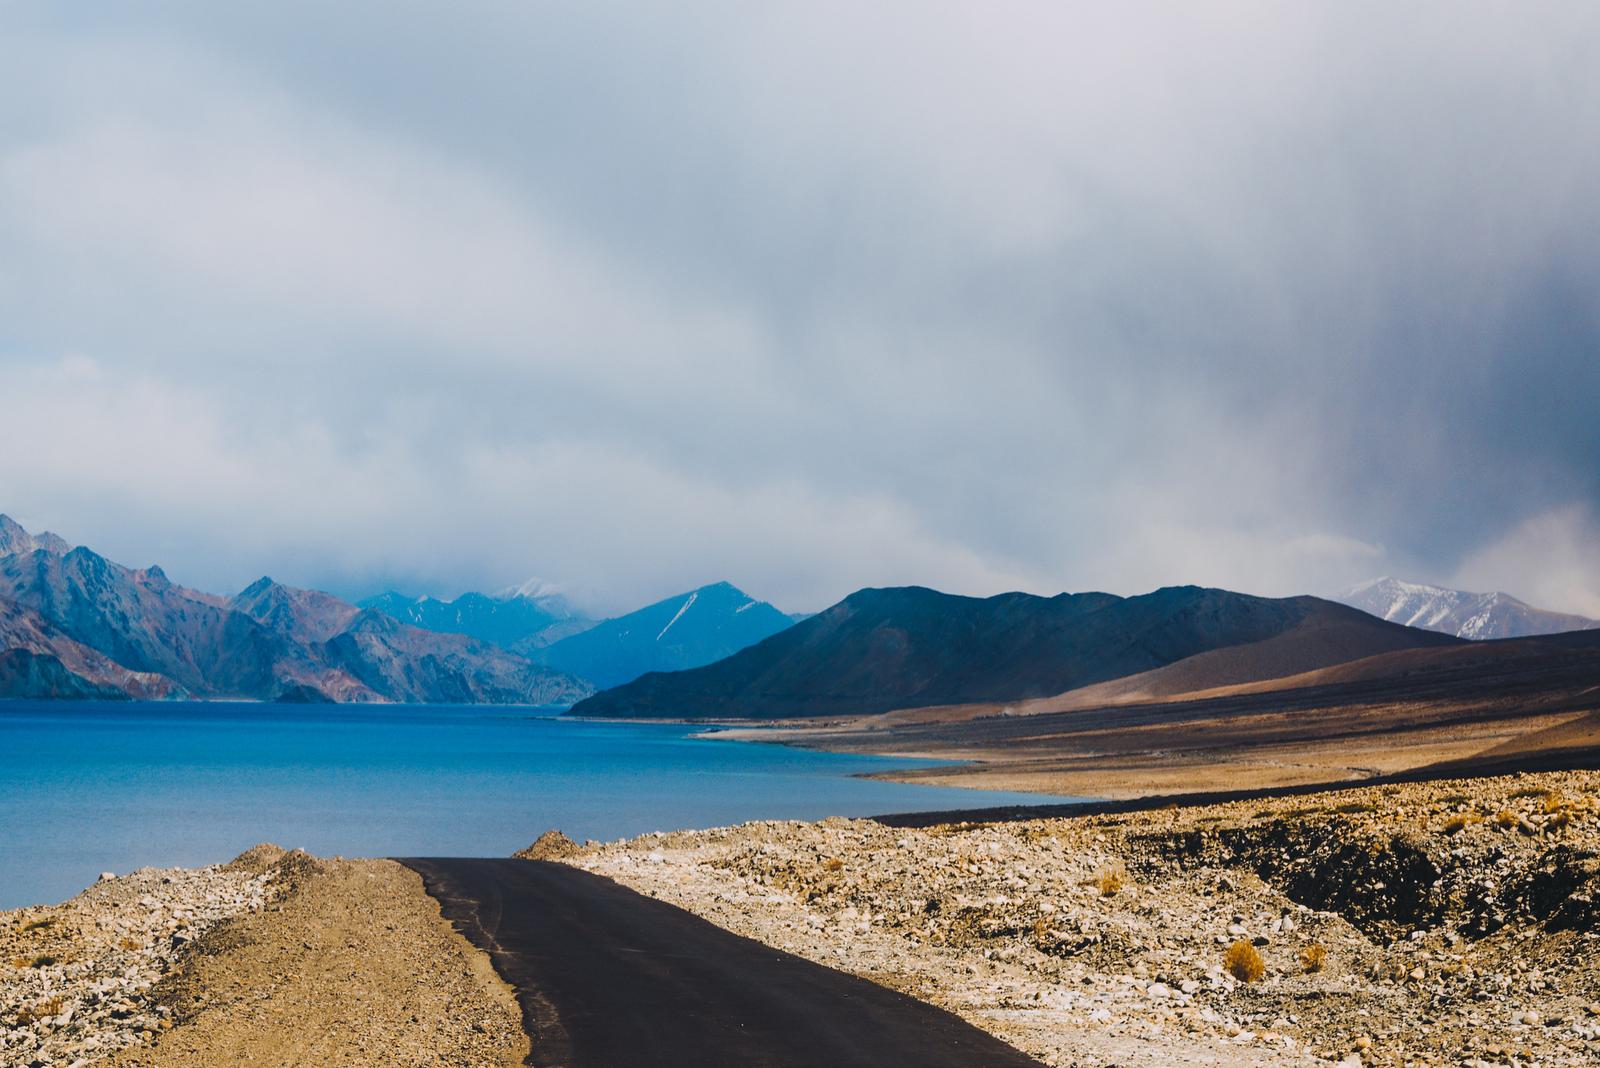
x,y
1554,802
48,1007
1506,818
1243,962
1313,957
1110,879
1461,821
833,864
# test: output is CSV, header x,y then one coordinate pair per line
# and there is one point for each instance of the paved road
x,y
609,978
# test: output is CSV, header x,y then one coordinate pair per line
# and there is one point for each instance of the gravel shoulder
x,y
276,959
1439,923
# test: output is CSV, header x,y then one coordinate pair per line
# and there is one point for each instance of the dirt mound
x,y
551,845
257,859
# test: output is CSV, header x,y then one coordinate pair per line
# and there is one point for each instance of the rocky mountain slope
x,y
14,539
1466,615
76,624
686,631
885,649
521,619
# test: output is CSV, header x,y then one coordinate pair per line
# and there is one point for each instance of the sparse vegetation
x,y
1111,878
46,1008
833,864
1461,821
1313,957
1506,818
1244,962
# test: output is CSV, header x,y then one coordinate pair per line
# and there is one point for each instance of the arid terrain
x,y
274,959
1476,707
1451,922
1447,923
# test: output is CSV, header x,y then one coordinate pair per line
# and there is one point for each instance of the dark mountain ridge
x,y
884,649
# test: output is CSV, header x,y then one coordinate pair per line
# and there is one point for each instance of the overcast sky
x,y
634,297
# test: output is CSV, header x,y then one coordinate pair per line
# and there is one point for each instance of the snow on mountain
x,y
1477,616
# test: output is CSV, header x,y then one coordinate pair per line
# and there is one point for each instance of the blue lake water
x,y
91,787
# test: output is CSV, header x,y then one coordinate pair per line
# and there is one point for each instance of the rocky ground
x,y
1448,923
274,959
76,979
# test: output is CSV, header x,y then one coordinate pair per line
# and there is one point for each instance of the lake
x,y
92,787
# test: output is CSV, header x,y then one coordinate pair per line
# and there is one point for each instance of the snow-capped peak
x,y
532,590
1458,612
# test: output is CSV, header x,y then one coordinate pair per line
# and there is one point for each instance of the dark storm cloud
x,y
977,296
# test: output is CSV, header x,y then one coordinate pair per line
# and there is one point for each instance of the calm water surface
x,y
91,787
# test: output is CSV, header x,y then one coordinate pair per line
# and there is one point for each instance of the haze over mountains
x,y
1466,615
684,631
520,619
885,649
74,624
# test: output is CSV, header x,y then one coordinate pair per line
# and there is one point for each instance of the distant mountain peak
x,y
535,589
1460,612
683,631
15,540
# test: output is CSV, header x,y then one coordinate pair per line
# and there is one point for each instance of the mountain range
x,y
73,623
533,620
884,649
1476,616
520,619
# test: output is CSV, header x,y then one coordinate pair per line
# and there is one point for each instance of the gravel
x,y
1456,921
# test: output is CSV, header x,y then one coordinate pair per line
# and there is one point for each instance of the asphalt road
x,y
609,978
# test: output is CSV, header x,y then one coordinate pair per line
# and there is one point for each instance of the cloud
x,y
1551,560
803,296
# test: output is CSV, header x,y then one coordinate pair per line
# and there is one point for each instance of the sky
x,y
808,297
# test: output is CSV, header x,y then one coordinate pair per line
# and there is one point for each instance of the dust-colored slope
x,y
355,968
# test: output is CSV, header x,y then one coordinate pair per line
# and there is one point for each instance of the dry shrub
x,y
129,944
48,1007
833,864
1461,821
1244,962
1313,957
1111,878
1506,818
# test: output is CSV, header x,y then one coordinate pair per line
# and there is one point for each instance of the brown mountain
x,y
81,624
885,649
47,663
